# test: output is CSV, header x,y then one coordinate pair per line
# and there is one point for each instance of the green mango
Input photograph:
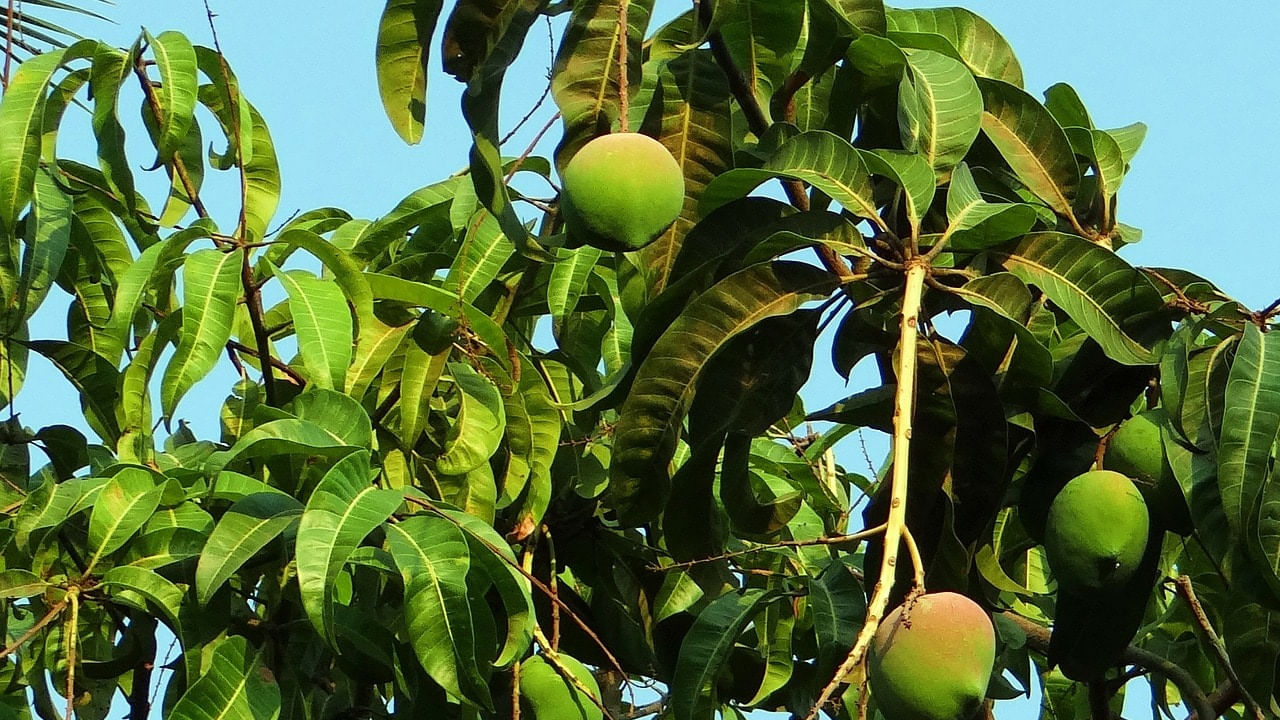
x,y
933,660
548,696
621,192
1136,450
1096,531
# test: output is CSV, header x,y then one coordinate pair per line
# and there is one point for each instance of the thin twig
x,y
49,617
515,166
624,39
69,632
546,91
233,109
8,46
904,403
1188,593
825,540
1180,301
275,362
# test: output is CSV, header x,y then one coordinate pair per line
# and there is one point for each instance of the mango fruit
x,y
933,660
547,695
1096,531
621,191
1136,450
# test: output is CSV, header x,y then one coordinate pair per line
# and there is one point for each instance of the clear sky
x,y
1202,76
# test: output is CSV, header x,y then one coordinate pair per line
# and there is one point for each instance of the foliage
x,y
464,462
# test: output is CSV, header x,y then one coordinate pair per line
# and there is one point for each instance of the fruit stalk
x,y
895,526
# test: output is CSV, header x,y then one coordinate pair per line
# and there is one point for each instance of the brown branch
x,y
515,166
624,39
273,361
825,540
1188,593
794,82
179,167
1038,640
1180,301
31,632
1222,698
8,46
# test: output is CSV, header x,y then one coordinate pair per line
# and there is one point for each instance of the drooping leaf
x,y
705,649
477,430
246,527
21,111
649,427
125,503
1099,291
403,48
93,376
1032,142
176,92
343,509
322,322
236,685
976,224
431,554
211,285
47,243
1249,427
973,40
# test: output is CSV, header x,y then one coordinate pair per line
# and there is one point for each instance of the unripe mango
x,y
621,192
932,661
1136,450
1096,532
547,695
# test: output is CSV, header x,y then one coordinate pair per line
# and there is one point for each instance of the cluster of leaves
x,y
461,453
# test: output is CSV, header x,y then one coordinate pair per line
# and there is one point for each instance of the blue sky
x,y
1203,80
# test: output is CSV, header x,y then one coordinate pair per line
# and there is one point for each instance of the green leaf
x,y
939,109
211,286
387,287
235,685
584,80
21,111
972,39
480,259
403,47
123,506
976,224
93,376
1032,142
46,245
243,530
224,89
477,430
322,322
690,114
1098,290
287,436
262,181
111,68
18,583
544,441
176,93
152,587
569,279
912,173
343,509
822,159
1104,155
1249,428
705,649
861,16
837,605
651,417
433,559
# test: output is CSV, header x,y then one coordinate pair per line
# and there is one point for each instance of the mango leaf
x,y
111,67
822,159
403,47
1250,632
651,417
861,16
287,436
322,322
1249,428
46,245
837,605
244,529
706,647
220,96
433,559
976,224
125,503
584,79
236,682
569,279
912,173
21,111
970,37
176,92
93,376
387,287
480,259
939,109
1033,144
477,430
343,509
1096,289
149,586
262,181
211,285
18,583
689,113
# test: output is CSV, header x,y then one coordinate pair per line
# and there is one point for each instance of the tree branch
x,y
1188,593
1038,640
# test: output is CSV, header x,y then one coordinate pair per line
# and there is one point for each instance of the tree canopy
x,y
474,466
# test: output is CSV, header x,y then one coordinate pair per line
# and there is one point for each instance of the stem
x,y
253,302
69,638
31,632
553,657
825,540
8,46
1099,700
179,167
624,36
895,526
233,108
1188,593
554,584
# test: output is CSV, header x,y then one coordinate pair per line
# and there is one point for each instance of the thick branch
x,y
895,526
1188,593
1038,640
